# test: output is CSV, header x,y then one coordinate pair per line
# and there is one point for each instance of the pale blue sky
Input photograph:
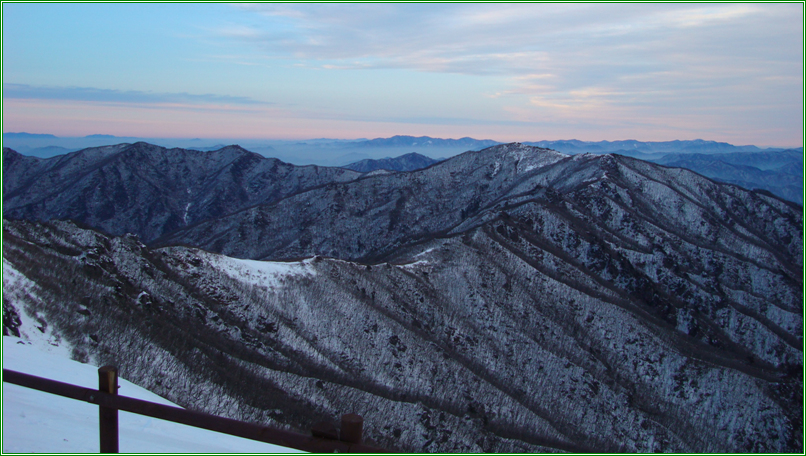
x,y
511,72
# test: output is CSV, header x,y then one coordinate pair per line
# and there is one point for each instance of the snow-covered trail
x,y
37,422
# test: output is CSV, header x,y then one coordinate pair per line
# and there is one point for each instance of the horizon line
x,y
102,135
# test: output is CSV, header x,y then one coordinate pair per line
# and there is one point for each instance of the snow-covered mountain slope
x,y
150,190
371,218
37,422
523,333
508,299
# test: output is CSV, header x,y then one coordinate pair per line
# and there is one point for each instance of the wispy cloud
x,y
582,45
500,38
91,94
675,65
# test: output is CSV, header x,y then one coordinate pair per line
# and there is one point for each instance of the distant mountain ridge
x,y
762,159
23,135
407,162
646,147
780,172
571,146
426,142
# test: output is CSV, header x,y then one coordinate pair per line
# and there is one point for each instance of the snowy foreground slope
x,y
37,422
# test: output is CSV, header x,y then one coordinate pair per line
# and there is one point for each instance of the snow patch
x,y
261,273
430,249
416,263
187,208
37,422
34,329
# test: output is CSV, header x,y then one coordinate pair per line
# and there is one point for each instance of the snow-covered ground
x,y
261,273
37,422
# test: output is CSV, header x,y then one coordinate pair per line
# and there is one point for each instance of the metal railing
x,y
325,438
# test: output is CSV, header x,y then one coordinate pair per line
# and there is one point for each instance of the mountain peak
x,y
234,148
527,157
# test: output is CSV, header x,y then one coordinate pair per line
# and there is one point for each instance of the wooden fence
x,y
325,437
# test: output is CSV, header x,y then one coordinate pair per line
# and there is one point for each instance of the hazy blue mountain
x,y
23,135
338,152
45,152
780,172
631,147
407,162
763,160
637,154
425,141
795,168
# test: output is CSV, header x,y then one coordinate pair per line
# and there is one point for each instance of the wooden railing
x,y
325,438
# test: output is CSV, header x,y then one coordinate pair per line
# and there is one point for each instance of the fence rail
x,y
111,401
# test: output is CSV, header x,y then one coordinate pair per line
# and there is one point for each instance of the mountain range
x,y
763,160
510,299
780,172
424,141
646,147
150,190
319,150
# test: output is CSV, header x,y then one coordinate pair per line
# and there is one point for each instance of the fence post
x,y
108,416
352,426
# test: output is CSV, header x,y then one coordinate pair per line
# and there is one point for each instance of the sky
x,y
729,72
